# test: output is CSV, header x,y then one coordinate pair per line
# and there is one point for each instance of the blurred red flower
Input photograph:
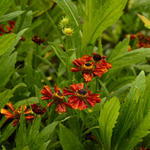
x,y
91,66
37,109
81,96
15,114
57,98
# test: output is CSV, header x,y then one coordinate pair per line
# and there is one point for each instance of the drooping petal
x,y
27,111
73,99
87,77
10,105
82,105
50,103
73,69
67,92
15,122
61,108
78,62
56,88
46,91
7,113
30,117
74,87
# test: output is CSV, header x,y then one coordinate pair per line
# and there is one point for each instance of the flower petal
x,y
73,69
7,113
56,88
60,108
87,77
49,104
10,105
47,92
30,118
15,122
67,92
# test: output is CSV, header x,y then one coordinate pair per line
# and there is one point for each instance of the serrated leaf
x,y
107,121
138,134
6,42
68,140
100,14
129,109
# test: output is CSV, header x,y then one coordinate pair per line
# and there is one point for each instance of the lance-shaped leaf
x,y
107,121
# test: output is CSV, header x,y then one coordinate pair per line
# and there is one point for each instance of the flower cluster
x,y
91,66
4,29
139,40
79,97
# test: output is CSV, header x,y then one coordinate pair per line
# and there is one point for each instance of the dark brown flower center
x,y
82,92
59,94
97,57
88,64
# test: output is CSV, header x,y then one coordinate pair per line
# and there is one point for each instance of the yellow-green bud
x,y
64,22
68,31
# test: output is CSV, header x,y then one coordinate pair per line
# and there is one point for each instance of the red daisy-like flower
x,y
15,114
57,98
80,96
37,109
91,66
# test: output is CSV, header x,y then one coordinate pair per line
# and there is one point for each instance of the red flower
x,y
57,98
80,96
38,40
37,109
91,66
11,26
15,114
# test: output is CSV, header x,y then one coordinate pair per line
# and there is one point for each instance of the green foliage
x,y
108,116
100,14
68,140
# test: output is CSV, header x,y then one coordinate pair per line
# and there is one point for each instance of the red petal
x,y
67,92
82,105
46,91
73,99
74,87
30,118
87,58
7,114
92,103
28,111
78,62
15,122
10,105
60,108
49,104
87,77
75,104
56,88
80,86
73,69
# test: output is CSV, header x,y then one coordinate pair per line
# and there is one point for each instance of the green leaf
x,y
70,10
44,135
4,5
8,131
5,97
107,121
100,14
120,49
10,16
68,140
137,135
129,109
6,42
7,61
130,58
27,101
